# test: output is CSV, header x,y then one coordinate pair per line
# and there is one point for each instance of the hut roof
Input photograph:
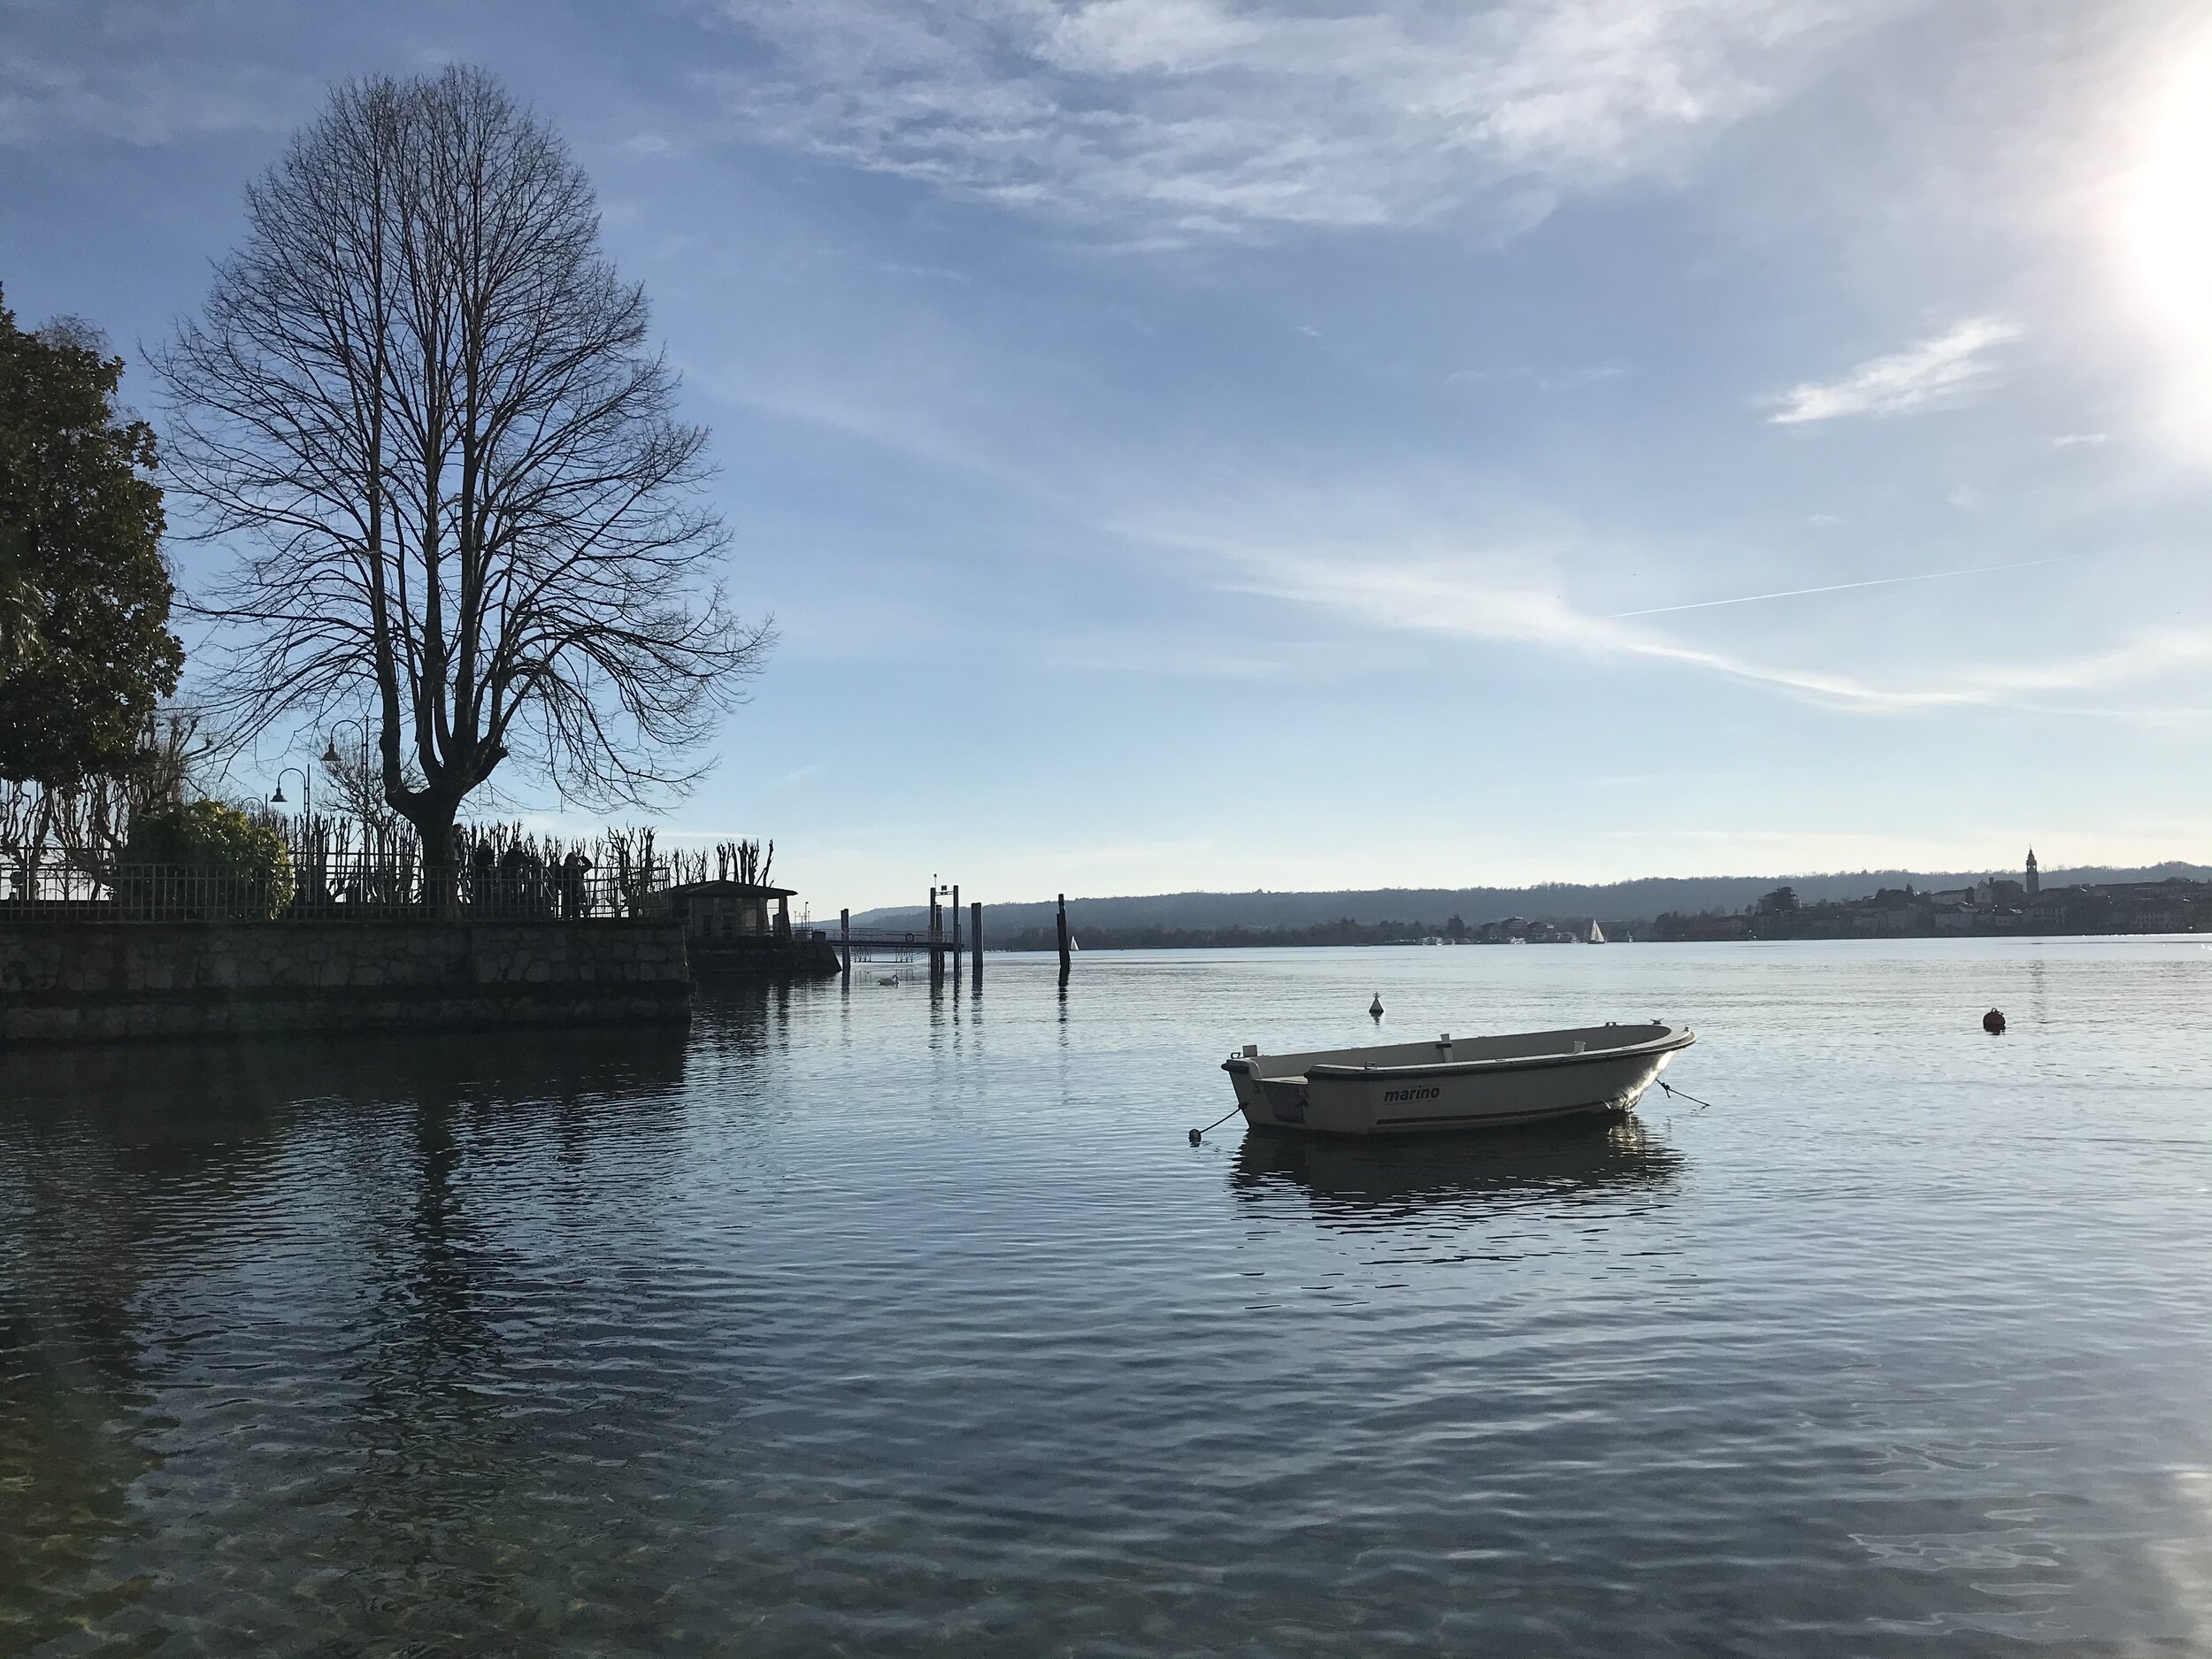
x,y
748,889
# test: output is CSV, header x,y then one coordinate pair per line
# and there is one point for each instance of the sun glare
x,y
2169,230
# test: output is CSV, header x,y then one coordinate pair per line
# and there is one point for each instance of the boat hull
x,y
1337,1097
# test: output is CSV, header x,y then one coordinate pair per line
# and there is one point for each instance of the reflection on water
x,y
897,1321
1381,1182
140,1178
202,1102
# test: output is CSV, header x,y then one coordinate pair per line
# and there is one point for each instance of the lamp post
x,y
335,762
307,792
331,758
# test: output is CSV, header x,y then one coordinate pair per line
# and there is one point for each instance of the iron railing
x,y
332,886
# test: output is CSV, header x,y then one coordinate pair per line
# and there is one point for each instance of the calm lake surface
x,y
873,1322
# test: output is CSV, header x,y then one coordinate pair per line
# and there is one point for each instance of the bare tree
x,y
88,821
423,392
358,774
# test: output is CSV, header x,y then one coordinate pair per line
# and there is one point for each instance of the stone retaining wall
x,y
804,956
91,982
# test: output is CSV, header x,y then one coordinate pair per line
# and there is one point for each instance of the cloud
x,y
1510,597
1208,116
1482,602
1839,587
133,73
1943,369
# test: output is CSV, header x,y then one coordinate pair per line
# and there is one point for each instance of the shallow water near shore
x,y
881,1321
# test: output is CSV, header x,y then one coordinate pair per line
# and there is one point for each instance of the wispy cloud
x,y
1942,369
1842,587
1194,116
1507,598
1453,600
145,76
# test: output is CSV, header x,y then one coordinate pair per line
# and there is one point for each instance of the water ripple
x,y
881,1323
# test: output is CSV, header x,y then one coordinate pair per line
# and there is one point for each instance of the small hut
x,y
716,911
745,927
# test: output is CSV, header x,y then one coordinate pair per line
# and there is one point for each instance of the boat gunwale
x,y
1678,1038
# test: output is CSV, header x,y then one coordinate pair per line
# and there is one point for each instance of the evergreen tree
x,y
85,649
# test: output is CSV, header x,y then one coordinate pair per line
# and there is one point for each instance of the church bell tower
x,y
2035,882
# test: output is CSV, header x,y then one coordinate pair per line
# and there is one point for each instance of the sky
x,y
1331,444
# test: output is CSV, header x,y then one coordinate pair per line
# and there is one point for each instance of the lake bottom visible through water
x,y
881,1320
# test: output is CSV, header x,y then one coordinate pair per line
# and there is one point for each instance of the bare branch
x,y
421,395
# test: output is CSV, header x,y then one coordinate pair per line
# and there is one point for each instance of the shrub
x,y
213,862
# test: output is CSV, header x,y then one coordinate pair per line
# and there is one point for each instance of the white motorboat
x,y
1470,1083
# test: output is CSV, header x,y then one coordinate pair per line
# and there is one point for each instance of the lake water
x,y
873,1322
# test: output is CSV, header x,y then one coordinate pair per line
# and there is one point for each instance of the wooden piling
x,y
955,930
1063,938
975,941
936,935
845,942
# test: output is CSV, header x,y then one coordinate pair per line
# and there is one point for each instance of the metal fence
x,y
329,887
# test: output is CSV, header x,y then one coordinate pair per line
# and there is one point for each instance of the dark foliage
x,y
207,858
85,649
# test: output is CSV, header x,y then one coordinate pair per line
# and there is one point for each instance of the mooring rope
x,y
1196,1135
1673,1091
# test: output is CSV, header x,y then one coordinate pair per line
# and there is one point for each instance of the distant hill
x,y
1618,903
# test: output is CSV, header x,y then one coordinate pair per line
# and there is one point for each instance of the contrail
x,y
1837,588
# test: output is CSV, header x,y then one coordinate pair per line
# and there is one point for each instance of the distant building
x,y
1994,906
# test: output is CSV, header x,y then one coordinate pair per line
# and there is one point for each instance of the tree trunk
x,y
434,819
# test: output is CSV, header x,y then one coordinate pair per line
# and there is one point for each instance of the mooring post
x,y
1063,938
845,942
955,930
936,934
975,941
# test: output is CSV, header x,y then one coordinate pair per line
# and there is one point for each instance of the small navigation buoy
x,y
1195,1137
1374,1008
1993,1023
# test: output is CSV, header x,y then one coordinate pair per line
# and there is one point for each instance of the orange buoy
x,y
1993,1023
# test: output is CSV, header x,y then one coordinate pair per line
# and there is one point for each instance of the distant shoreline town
x,y
1995,906
1992,905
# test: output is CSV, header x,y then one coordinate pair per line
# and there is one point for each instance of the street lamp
x,y
331,758
307,792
